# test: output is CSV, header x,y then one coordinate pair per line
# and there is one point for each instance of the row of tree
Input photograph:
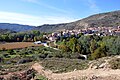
x,y
22,36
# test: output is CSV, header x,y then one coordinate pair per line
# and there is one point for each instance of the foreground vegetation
x,y
64,65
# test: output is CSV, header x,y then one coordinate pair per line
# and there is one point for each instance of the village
x,y
100,31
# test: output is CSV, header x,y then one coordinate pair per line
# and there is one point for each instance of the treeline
x,y
22,36
92,45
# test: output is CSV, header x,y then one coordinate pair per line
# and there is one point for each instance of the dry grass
x,y
16,45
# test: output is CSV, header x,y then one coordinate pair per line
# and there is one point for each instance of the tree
x,y
99,52
72,44
84,41
25,38
93,46
36,33
11,38
35,38
5,37
63,47
113,45
78,48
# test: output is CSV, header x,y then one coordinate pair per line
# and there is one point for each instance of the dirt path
x,y
89,74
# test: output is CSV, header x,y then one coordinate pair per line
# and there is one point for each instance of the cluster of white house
x,y
100,31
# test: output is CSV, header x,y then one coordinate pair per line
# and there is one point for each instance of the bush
x,y
1,59
14,77
59,65
43,55
115,63
11,52
58,55
24,60
64,48
40,77
98,53
6,55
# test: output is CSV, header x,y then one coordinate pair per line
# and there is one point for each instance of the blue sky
x,y
38,12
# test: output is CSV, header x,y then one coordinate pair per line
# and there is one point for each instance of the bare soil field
x,y
16,45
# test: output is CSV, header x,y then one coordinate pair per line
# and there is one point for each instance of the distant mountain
x,y
109,19
16,27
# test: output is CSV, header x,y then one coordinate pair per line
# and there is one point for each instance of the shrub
x,y
98,53
64,48
43,55
115,63
65,65
14,77
58,55
6,55
39,77
11,52
1,59
24,60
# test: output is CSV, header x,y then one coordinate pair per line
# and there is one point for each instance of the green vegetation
x,y
6,68
70,47
40,77
30,54
22,36
18,59
64,65
69,57
93,46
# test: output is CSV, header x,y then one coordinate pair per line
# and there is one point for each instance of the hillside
x,y
108,19
16,27
100,69
4,31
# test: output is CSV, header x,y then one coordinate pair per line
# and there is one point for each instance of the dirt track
x,y
89,74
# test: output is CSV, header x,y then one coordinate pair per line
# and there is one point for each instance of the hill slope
x,y
16,27
4,31
108,19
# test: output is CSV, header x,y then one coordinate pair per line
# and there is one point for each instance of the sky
x,y
39,12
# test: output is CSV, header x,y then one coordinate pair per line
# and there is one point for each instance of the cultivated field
x,y
16,45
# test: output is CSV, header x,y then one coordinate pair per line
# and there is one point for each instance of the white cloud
x,y
47,6
10,17
92,5
33,1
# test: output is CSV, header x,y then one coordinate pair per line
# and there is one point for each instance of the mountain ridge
x,y
16,27
107,19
